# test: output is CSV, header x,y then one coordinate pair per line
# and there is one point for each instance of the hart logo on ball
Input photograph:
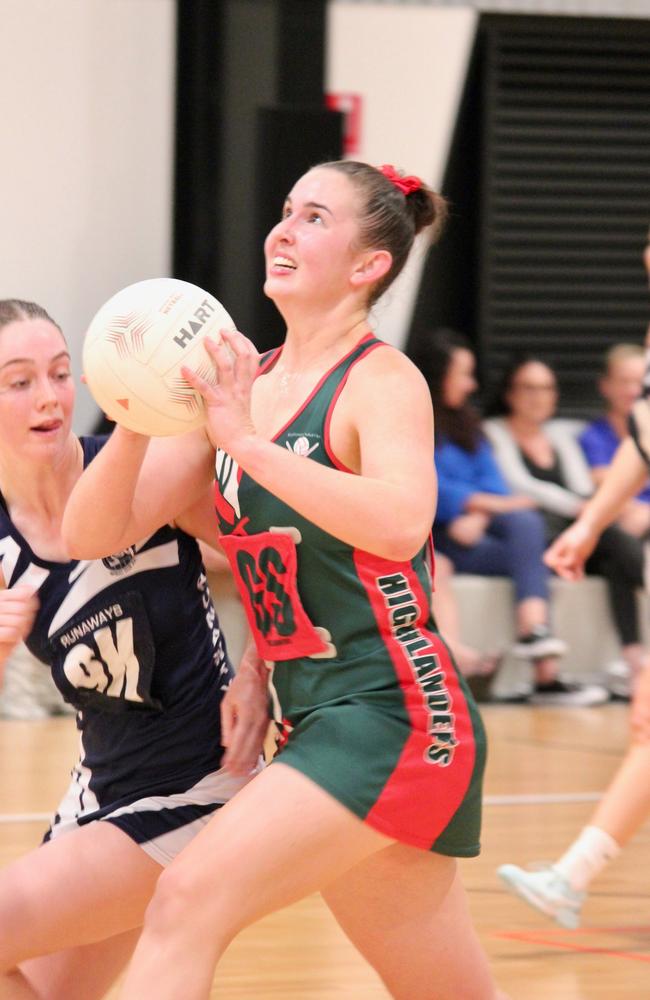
x,y
131,357
203,314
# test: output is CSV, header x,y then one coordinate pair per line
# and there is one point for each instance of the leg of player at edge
x,y
279,840
44,904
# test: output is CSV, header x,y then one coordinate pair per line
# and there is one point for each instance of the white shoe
x,y
618,678
568,694
547,891
538,644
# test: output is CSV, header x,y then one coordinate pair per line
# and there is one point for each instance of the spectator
x,y
620,386
482,527
541,458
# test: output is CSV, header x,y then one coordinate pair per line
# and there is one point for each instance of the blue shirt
x,y
462,473
599,442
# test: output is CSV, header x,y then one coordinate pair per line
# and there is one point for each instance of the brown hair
x,y
390,219
14,310
460,425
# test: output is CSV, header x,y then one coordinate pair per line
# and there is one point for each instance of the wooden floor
x,y
545,770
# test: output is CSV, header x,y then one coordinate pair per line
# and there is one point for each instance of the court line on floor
x,y
534,799
550,798
547,939
25,817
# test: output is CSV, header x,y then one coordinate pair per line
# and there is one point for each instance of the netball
x,y
136,345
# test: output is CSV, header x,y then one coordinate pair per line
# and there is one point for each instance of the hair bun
x,y
429,209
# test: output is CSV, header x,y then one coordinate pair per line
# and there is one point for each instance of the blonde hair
x,y
621,352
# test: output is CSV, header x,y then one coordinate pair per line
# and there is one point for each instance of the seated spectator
x,y
482,527
620,385
541,459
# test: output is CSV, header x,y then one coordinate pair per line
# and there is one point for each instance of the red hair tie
x,y
405,184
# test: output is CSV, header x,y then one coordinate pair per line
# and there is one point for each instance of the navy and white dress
x,y
134,645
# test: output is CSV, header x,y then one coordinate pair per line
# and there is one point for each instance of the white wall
x,y
409,64
87,98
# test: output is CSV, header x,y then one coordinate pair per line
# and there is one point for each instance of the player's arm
x,y
396,490
385,406
200,521
598,473
132,487
625,477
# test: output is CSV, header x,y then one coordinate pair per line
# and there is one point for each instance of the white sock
x,y
586,857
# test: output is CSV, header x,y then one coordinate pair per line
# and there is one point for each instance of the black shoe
x,y
519,695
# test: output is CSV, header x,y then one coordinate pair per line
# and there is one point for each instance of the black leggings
x,y
618,558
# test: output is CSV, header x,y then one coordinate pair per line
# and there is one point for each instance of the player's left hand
x,y
228,403
245,715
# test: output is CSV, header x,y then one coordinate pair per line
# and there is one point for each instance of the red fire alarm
x,y
350,105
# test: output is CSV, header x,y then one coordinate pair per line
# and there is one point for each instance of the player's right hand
x,y
228,403
18,607
570,550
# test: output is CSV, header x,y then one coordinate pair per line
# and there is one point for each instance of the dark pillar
x,y
250,119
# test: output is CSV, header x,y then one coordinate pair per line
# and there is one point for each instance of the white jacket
x,y
564,500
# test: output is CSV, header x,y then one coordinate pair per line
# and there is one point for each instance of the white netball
x,y
135,347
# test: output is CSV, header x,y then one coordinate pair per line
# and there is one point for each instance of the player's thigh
x,y
84,973
406,911
87,885
279,839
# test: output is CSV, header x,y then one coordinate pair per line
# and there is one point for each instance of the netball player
x,y
134,644
560,890
326,495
